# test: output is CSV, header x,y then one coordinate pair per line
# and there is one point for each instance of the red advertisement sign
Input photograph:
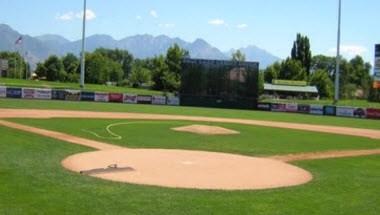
x,y
373,113
116,97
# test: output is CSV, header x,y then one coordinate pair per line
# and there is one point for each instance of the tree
x,y
101,69
172,77
292,70
123,57
272,72
238,56
160,69
41,70
301,52
325,63
55,69
139,75
16,63
321,79
71,65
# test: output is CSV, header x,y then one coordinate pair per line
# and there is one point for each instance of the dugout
x,y
219,83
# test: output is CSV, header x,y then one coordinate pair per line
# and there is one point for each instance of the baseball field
x,y
59,157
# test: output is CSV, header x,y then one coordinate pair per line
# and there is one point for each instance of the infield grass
x,y
252,140
34,182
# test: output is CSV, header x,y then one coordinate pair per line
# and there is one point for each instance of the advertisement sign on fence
x,y
159,100
116,97
87,96
278,107
264,106
58,94
303,108
291,107
329,110
42,94
72,95
130,99
373,113
101,97
360,113
345,111
3,92
173,100
27,93
144,99
316,109
15,93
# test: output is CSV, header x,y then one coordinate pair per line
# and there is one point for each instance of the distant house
x,y
284,89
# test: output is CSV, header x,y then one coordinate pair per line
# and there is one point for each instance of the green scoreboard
x,y
219,83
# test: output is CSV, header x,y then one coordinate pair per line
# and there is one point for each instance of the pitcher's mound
x,y
188,169
206,130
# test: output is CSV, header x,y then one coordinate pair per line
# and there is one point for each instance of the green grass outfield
x,y
34,182
90,87
190,111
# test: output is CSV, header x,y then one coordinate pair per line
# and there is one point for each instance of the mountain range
x,y
36,49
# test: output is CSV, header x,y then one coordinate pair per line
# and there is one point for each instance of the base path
x,y
183,168
22,113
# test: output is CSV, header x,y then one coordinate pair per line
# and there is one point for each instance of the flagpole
x,y
337,72
83,61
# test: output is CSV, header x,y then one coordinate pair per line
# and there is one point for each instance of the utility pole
x,y
83,61
337,71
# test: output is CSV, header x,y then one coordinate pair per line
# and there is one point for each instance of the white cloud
x,y
139,18
154,13
69,16
166,25
217,22
66,16
350,50
90,15
242,26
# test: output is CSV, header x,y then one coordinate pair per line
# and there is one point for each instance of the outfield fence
x,y
128,98
88,96
326,110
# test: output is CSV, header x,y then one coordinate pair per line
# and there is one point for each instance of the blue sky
x,y
269,24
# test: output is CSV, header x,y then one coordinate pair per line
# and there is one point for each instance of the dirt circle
x,y
206,130
190,169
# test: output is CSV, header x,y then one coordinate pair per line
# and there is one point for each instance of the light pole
x,y
337,71
83,61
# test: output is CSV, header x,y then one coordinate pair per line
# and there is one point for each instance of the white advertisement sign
x,y
130,99
172,100
291,107
3,92
144,99
27,93
345,111
101,97
42,94
316,109
159,100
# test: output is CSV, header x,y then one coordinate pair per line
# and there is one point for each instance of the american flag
x,y
18,41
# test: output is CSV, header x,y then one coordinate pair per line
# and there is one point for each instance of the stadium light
x,y
83,61
337,71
